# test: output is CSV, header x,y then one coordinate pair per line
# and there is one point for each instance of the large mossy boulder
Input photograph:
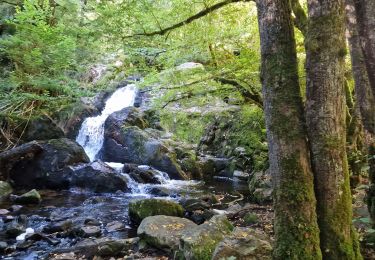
x,y
55,155
143,208
131,144
200,242
164,232
243,243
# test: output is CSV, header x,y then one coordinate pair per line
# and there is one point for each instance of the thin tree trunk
x,y
326,121
365,11
296,229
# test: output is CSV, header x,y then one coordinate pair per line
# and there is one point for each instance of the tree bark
x,y
326,121
364,93
296,229
365,11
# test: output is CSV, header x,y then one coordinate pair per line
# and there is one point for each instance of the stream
x,y
80,206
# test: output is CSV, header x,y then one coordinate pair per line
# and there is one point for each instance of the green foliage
x,y
43,55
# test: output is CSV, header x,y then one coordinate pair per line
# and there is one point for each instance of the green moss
x,y
251,218
140,209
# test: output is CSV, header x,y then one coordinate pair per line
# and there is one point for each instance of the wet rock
x,y
117,247
161,192
44,170
92,222
64,256
4,212
114,226
31,197
39,236
3,246
132,145
200,242
243,243
58,227
15,228
142,174
164,232
102,246
261,187
90,231
140,209
5,190
193,204
97,177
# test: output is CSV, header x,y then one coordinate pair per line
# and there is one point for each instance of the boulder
x,y
31,197
163,232
90,231
142,174
131,144
102,178
199,243
211,166
260,186
243,243
55,154
142,208
5,190
42,128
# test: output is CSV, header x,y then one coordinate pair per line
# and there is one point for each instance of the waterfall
x,y
91,134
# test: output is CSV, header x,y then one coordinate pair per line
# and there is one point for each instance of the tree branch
x,y
248,95
197,16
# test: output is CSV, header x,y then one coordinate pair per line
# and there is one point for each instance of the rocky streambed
x,y
125,188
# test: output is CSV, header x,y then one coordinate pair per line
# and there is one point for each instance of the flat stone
x,y
90,231
115,226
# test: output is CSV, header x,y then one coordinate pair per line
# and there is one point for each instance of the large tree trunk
x,y
365,11
326,120
365,97
296,229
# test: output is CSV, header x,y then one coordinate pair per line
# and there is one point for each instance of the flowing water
x,y
79,205
91,134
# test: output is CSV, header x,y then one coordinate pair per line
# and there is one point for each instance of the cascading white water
x,y
91,134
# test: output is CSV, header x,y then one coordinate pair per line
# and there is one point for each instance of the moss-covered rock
x,y
5,190
140,209
260,187
164,232
31,197
200,242
243,243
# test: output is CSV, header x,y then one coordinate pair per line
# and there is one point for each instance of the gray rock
x,y
133,145
164,232
142,208
261,187
31,197
90,231
102,178
114,226
45,169
243,243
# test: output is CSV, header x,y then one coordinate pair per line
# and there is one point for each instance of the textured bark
x,y
364,95
296,230
363,91
326,121
365,10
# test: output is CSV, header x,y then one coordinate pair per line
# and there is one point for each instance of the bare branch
x,y
197,16
300,20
